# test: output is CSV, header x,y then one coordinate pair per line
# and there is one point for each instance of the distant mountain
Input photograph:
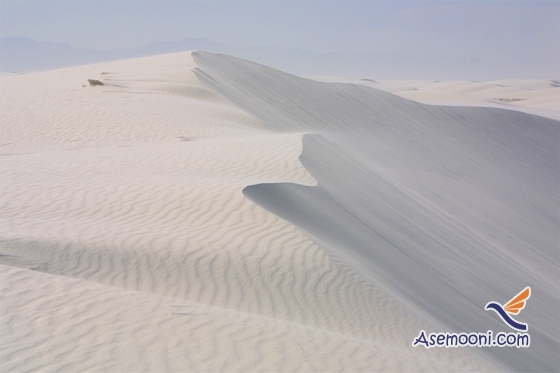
x,y
25,54
22,54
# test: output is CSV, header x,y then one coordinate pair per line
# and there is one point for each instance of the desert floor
x,y
200,213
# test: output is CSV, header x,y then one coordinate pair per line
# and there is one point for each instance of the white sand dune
x,y
446,207
127,243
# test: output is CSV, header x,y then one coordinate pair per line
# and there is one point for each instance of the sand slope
x,y
447,207
127,243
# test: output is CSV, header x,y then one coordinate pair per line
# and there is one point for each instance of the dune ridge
x,y
447,207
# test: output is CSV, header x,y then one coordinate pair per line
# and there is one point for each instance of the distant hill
x,y
23,54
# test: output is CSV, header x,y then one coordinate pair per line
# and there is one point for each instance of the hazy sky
x,y
524,30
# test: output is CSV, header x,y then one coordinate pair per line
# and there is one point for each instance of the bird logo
x,y
513,307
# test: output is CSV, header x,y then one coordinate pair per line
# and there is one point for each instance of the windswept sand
x,y
128,242
447,207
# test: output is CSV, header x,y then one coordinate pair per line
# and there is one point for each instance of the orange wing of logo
x,y
517,303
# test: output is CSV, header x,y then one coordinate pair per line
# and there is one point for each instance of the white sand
x,y
128,245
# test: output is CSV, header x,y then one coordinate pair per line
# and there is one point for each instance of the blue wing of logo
x,y
507,318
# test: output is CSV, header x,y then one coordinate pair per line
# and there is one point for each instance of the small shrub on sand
x,y
94,82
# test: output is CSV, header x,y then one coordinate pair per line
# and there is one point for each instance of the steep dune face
x,y
447,207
